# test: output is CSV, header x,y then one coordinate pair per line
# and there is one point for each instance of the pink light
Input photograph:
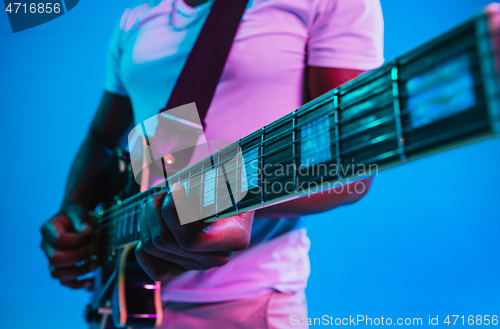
x,y
169,159
151,286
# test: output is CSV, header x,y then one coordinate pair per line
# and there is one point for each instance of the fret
x,y
261,162
441,94
134,222
184,179
397,112
131,225
216,171
315,142
366,121
118,230
209,188
313,126
124,227
202,186
431,105
228,165
338,158
188,188
294,150
278,159
250,148
239,171
196,187
317,153
252,169
138,226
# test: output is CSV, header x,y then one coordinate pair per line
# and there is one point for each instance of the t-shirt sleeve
x,y
347,34
112,81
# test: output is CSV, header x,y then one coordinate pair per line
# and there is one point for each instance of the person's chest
x,y
269,50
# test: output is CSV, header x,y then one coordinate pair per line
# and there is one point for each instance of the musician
x,y
245,271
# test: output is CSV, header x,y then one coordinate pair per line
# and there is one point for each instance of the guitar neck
x,y
440,95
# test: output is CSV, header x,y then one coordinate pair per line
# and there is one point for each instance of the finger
x,y
157,240
227,234
65,258
78,284
158,269
154,232
79,219
73,272
58,233
191,260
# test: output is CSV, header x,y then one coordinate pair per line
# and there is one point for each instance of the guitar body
x,y
133,299
123,295
443,94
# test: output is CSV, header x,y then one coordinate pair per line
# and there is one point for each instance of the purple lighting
x,y
144,316
151,286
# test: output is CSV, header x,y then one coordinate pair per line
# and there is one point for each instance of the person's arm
x,y
114,119
321,80
65,236
166,247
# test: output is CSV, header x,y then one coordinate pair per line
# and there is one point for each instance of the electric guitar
x,y
440,95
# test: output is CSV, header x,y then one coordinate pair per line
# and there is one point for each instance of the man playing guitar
x,y
285,52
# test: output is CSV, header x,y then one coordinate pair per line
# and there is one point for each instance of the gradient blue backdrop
x,y
424,241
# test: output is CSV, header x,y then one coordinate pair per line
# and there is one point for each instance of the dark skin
x,y
166,248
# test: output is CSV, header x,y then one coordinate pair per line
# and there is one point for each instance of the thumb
x,y
176,209
178,193
79,219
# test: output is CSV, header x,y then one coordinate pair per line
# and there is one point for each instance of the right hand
x,y
66,243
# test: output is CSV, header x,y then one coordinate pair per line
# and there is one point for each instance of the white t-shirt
x,y
262,81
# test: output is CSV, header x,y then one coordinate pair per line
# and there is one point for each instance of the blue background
x,y
424,241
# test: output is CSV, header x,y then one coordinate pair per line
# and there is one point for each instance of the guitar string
x,y
380,121
292,128
487,121
332,141
131,225
131,236
127,207
313,119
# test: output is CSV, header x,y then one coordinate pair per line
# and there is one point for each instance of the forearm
x,y
90,174
321,80
87,178
318,202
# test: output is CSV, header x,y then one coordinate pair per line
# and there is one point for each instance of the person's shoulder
x,y
346,10
137,11
332,4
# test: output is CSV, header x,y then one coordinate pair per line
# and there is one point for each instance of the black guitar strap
x,y
203,69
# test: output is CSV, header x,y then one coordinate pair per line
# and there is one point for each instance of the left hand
x,y
167,248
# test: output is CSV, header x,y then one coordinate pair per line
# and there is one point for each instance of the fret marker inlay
x,y
315,142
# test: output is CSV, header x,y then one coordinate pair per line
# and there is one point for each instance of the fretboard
x,y
440,95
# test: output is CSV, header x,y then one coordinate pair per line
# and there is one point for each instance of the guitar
x,y
441,95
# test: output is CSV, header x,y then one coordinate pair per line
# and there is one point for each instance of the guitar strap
x,y
203,69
